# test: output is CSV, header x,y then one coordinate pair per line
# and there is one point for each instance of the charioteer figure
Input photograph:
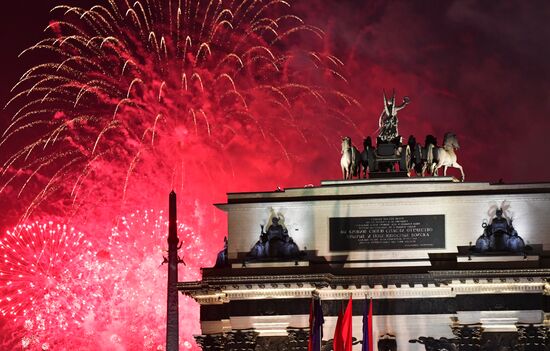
x,y
387,122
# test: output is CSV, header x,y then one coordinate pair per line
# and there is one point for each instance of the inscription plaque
x,y
387,232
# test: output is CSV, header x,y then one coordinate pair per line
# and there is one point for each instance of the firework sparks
x,y
156,84
44,270
136,247
58,289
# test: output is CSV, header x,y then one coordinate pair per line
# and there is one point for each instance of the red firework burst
x,y
135,248
61,291
44,271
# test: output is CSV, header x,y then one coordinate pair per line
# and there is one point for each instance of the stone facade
x,y
448,297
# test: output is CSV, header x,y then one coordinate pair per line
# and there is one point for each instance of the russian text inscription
x,y
387,233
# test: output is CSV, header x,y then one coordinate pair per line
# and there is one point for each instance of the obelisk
x,y
172,325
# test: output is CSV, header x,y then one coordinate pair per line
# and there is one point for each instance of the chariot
x,y
386,156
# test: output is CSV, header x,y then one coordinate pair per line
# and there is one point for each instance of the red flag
x,y
310,341
338,342
347,330
370,326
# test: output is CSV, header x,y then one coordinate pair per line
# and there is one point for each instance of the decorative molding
x,y
241,340
507,258
431,277
298,339
278,293
379,292
543,273
533,336
211,342
210,297
269,264
472,286
489,286
295,339
272,343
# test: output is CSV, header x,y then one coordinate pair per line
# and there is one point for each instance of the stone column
x,y
172,318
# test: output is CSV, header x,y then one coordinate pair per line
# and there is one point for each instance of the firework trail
x,y
159,94
61,291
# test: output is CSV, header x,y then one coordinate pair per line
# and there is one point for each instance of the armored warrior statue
x,y
499,235
388,119
277,238
274,241
222,258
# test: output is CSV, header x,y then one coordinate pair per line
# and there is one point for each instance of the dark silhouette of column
x,y
172,323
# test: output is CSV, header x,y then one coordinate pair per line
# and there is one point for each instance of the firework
x,y
61,291
137,304
46,282
176,91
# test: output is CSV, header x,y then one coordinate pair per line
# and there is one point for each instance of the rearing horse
x,y
351,159
447,155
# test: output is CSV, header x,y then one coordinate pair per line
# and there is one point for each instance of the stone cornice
x,y
324,279
358,281
500,286
219,294
406,187
490,273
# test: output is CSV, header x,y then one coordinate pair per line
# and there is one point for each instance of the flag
x,y
316,322
310,339
347,330
338,341
367,326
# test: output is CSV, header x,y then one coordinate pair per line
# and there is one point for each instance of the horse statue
x,y
367,150
416,155
447,156
351,159
423,158
430,156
